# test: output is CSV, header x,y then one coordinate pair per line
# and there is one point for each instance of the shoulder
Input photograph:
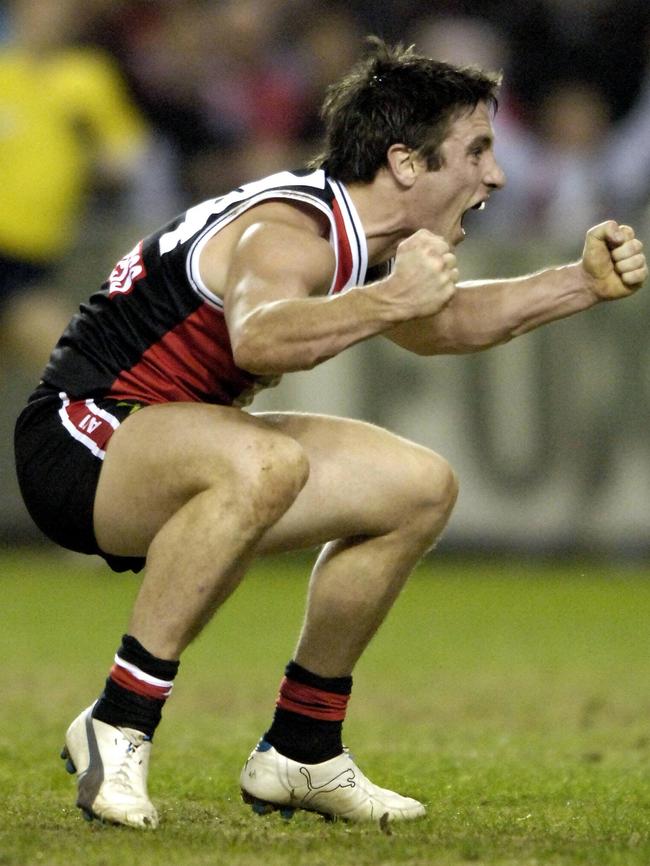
x,y
276,240
292,214
293,235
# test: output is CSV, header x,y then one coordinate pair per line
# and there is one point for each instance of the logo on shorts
x,y
126,272
90,423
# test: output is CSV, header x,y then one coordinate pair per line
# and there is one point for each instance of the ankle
x,y
309,714
136,689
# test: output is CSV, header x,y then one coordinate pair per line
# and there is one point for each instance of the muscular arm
x,y
279,317
484,314
278,314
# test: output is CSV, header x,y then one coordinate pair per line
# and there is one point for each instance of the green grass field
x,y
514,698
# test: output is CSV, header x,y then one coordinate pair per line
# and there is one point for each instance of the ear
x,y
403,164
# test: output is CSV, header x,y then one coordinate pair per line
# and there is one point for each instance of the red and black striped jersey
x,y
155,333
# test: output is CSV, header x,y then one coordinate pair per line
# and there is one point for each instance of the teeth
x,y
481,206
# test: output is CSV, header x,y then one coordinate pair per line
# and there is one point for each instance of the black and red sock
x,y
136,689
309,713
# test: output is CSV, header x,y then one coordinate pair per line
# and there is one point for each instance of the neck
x,y
382,215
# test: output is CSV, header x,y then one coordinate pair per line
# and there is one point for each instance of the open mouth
x,y
480,205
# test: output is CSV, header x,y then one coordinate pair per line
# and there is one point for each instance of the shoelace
x,y
123,777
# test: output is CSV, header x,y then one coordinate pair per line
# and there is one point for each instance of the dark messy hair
x,y
395,96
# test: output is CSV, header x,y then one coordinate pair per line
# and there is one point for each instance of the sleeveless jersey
x,y
155,333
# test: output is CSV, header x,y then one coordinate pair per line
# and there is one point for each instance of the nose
x,y
494,177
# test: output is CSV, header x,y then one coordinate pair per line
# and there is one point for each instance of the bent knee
x,y
445,484
434,491
277,470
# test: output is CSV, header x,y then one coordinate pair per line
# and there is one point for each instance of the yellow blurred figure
x,y
61,116
66,121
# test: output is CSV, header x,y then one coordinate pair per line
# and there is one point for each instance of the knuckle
x,y
420,237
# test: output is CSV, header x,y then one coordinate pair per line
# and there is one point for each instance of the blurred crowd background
x,y
117,114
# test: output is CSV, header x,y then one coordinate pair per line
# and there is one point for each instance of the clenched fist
x,y
614,261
424,276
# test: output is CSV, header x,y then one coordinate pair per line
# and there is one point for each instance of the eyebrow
x,y
483,141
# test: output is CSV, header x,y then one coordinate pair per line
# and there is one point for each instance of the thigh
x,y
363,480
162,456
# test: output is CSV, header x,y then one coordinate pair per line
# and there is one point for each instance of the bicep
x,y
274,262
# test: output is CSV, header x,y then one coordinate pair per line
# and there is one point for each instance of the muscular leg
x,y
385,501
202,489
341,619
192,487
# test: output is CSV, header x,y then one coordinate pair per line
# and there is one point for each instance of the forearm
x,y
278,318
483,314
299,333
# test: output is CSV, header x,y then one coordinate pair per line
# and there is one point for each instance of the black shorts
x,y
59,446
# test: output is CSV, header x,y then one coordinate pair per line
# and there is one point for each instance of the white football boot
x,y
111,766
335,789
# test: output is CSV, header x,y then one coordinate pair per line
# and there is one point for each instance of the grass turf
x,y
511,697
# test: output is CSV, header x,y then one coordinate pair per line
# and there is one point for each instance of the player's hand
x,y
424,276
614,261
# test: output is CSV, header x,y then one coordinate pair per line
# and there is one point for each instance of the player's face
x,y
468,175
